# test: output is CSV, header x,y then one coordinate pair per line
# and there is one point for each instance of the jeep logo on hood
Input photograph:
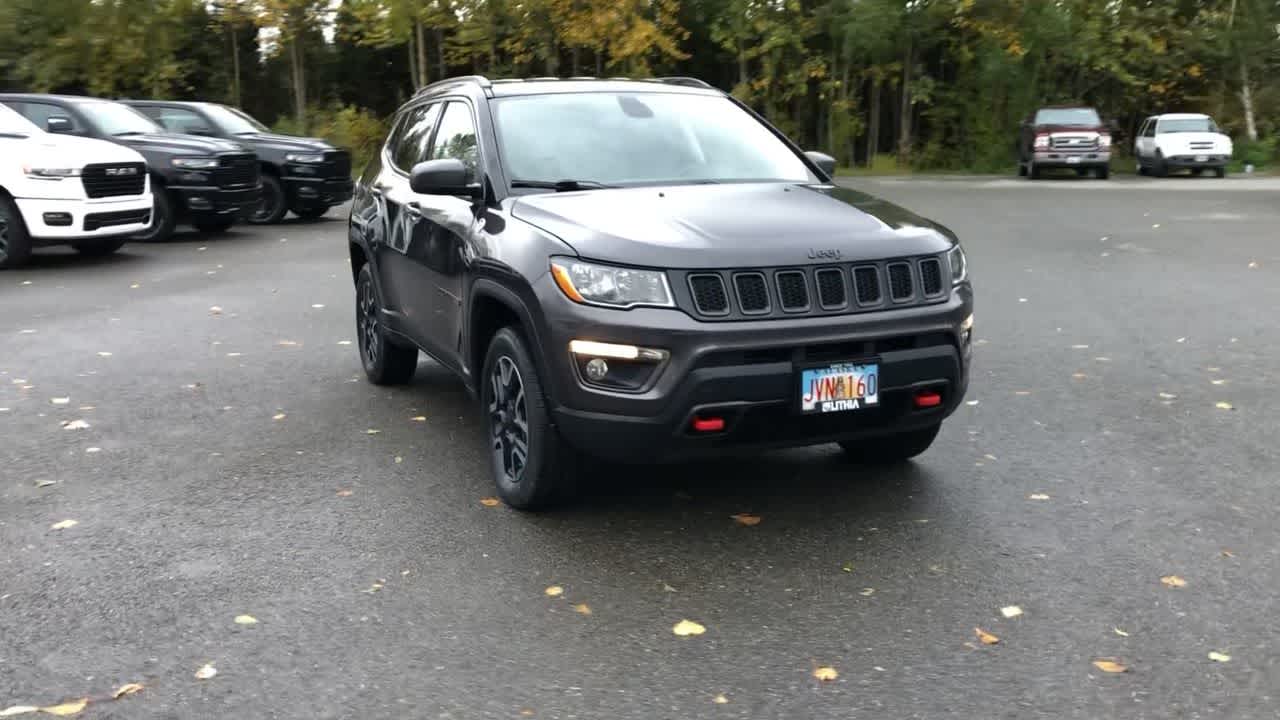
x,y
824,253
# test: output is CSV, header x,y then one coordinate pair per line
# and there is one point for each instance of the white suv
x,y
1181,141
65,190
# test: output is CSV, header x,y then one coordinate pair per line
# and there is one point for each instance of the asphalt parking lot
x,y
197,409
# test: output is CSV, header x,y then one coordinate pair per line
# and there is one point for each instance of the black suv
x,y
647,270
208,182
305,175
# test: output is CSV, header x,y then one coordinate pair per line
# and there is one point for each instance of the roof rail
x,y
480,80
684,80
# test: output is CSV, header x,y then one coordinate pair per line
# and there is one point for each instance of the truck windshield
x,y
116,119
638,138
1083,117
232,121
1186,125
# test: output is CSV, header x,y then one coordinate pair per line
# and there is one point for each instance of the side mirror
x,y
447,176
825,162
58,124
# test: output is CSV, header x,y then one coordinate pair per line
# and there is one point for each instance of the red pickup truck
x,y
1070,137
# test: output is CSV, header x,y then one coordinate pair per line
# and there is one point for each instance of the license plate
x,y
839,387
1202,158
1073,161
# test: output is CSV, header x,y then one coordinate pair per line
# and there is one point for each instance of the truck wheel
x,y
1102,172
100,248
892,449
214,225
15,243
385,363
1220,172
163,218
532,465
1033,172
311,212
1022,169
1161,168
271,208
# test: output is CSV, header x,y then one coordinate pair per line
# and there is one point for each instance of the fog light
x,y
57,219
597,369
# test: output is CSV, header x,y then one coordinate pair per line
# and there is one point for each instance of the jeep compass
x,y
646,270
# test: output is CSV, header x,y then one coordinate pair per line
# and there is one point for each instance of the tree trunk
x,y
573,61
904,136
599,63
423,75
742,64
413,63
873,122
299,84
440,64
235,68
1246,104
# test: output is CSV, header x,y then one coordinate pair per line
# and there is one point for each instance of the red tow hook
x,y
928,399
708,424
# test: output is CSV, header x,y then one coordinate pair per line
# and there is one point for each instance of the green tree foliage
x,y
937,83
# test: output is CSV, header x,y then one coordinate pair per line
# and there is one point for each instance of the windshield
x,y
116,119
1068,116
1183,125
638,138
11,123
232,121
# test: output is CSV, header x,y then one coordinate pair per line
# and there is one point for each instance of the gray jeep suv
x,y
647,270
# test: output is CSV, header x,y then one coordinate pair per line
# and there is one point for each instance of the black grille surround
x,y
113,179
236,171
97,221
813,291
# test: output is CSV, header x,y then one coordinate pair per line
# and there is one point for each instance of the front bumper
x,y
51,222
313,191
1072,158
1191,161
746,373
212,201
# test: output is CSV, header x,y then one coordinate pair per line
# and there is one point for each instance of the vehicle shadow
x,y
61,258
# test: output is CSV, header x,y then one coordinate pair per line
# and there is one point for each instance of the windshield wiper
x,y
561,185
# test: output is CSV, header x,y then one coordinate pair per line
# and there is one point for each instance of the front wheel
x,y
891,449
99,249
1102,172
1220,172
163,218
532,465
271,208
15,243
385,362
1033,172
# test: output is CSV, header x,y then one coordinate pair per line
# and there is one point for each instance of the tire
x,y
313,212
271,208
514,407
1161,168
1142,169
892,449
100,248
1033,172
1197,172
384,361
1220,172
1103,172
15,243
1022,169
214,225
163,218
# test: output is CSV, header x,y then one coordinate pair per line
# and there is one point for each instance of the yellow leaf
x,y
554,591
67,708
1219,657
129,689
1037,496
1110,665
720,700
288,343
1173,581
526,712
684,628
206,672
344,493
746,519
867,592
278,416
1228,553
18,710
582,608
1224,406
1120,632
246,620
985,637
419,418
372,431
486,501
399,459
825,673
1011,611
63,525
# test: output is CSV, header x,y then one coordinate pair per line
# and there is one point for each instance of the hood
x,y
71,151
284,143
173,144
1181,143
731,225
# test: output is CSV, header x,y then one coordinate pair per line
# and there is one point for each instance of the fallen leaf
x,y
668,588
1155,226
233,354
215,310
1079,347
1079,376
75,425
373,588
419,418
66,709
246,620
93,449
1021,300
278,416
1173,581
45,483
825,673
971,403
867,592
1022,393
1011,611
1228,553
1217,381
1253,264
400,460
64,524
685,628
1219,657
206,672
317,306
60,401
985,637
485,501
128,689
1037,496
526,712
720,699
847,567
1182,339
26,332
134,286
18,710
344,342
372,431
746,519
1120,632
554,591
1224,405
1167,396
582,609
344,493
1109,665
288,343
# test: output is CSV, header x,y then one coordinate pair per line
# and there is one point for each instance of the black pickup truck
x,y
208,182
305,175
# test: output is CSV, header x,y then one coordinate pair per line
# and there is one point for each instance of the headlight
x,y
310,158
959,264
1104,141
196,163
51,173
614,286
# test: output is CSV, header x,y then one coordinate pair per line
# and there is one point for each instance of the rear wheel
x,y
385,362
1220,172
15,243
271,208
1033,172
163,218
892,449
1197,172
1102,172
100,248
533,467
214,225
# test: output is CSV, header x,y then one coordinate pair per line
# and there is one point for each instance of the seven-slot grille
x,y
115,179
236,170
821,290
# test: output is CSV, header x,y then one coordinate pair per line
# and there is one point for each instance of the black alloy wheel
x,y
385,362
271,207
508,421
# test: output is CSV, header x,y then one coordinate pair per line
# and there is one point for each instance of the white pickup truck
x,y
1181,141
65,190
